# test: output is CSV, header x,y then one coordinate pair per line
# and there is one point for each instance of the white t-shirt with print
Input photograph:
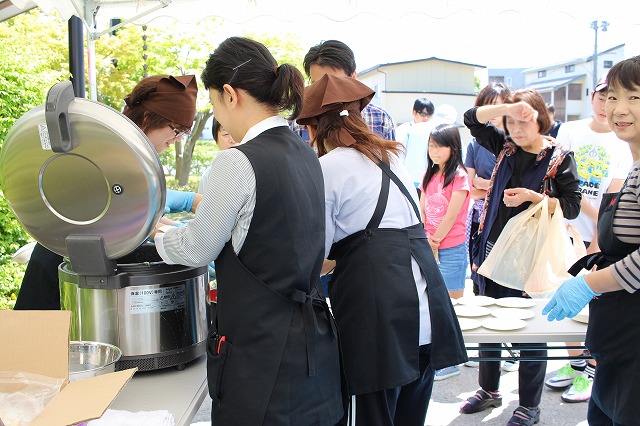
x,y
600,158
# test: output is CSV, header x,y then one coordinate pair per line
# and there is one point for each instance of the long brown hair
x,y
368,143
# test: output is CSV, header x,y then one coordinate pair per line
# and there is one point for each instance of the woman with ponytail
x,y
272,349
394,328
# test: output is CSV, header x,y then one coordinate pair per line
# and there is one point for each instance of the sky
x,y
491,33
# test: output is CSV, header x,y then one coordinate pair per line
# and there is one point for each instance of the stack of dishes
x,y
510,314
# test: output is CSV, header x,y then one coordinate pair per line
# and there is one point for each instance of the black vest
x,y
279,362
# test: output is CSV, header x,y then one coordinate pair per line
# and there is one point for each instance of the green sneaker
x,y
563,378
580,390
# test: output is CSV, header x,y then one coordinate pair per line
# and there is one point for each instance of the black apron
x,y
375,303
613,334
273,356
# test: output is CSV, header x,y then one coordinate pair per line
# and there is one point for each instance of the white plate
x,y
468,323
515,302
513,313
503,324
583,316
471,311
476,300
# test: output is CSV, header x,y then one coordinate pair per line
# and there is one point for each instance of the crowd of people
x,y
393,218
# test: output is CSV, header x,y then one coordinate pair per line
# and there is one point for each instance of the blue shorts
x,y
453,266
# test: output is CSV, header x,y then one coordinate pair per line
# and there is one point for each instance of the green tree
x,y
33,57
120,64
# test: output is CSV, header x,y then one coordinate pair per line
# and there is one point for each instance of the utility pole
x,y
595,25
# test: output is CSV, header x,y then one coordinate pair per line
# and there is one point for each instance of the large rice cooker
x,y
87,184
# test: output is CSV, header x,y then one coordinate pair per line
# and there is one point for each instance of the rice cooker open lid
x,y
78,169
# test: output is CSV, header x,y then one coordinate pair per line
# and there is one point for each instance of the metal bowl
x,y
89,359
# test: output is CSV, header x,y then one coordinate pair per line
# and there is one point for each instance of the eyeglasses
x,y
177,133
423,114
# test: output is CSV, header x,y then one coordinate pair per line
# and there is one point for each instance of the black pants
x,y
530,373
402,406
596,417
472,230
40,289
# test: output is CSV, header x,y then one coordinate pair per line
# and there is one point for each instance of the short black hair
x,y
330,53
423,103
215,128
491,93
551,108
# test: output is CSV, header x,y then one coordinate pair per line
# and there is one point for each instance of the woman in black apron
x,y
394,315
613,335
272,350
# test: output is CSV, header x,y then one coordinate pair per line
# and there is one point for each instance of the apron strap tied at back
x,y
310,322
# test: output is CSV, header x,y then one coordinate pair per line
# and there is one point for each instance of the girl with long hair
x,y
444,202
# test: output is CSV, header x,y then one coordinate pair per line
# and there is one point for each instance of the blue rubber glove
x,y
572,296
178,201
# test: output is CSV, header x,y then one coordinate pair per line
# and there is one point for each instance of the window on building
x,y
608,64
546,96
542,74
575,92
496,79
569,68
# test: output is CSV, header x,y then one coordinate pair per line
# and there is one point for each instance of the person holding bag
x,y
612,289
517,181
395,330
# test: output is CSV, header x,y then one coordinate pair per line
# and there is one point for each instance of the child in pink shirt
x,y
444,204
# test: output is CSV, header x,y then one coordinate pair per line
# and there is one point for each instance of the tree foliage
x,y
33,57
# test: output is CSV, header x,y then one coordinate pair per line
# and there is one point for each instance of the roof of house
x,y
554,84
572,62
433,58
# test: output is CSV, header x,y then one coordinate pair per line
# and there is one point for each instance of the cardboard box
x,y
38,342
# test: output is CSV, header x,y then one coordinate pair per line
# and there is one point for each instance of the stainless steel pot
x,y
154,312
87,184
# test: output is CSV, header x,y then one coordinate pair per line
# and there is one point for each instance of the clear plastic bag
x,y
24,395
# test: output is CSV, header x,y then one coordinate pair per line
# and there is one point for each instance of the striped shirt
x,y
225,211
626,226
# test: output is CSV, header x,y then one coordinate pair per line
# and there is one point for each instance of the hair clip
x,y
245,62
344,113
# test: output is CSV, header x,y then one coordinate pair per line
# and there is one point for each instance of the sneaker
x,y
580,390
472,364
447,372
563,378
523,416
480,402
510,365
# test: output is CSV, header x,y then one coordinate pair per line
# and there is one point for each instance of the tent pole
x,y
76,57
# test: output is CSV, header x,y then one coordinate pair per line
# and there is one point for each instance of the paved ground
x,y
449,394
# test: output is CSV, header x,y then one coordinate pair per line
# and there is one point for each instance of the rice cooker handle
x,y
57,116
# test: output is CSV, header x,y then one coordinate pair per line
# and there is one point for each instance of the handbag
x,y
532,253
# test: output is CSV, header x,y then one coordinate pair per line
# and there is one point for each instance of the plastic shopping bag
x,y
513,256
556,256
578,242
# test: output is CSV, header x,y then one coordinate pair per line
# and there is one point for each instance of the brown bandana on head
x,y
331,94
175,99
